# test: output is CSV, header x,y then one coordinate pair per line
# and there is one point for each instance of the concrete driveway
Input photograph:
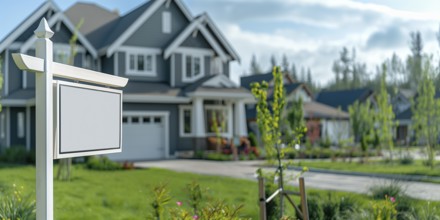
x,y
339,182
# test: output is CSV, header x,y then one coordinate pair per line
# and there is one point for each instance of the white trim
x,y
228,109
24,82
222,38
52,21
208,94
133,49
21,124
3,125
183,108
28,128
196,24
27,24
116,63
18,102
6,73
173,71
8,127
184,9
134,26
15,46
145,51
165,115
193,56
198,51
218,80
166,22
141,98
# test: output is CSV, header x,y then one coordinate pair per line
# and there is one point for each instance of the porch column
x,y
240,119
198,118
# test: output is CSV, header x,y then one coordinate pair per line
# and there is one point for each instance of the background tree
x,y
273,61
362,123
385,115
426,113
414,61
285,64
255,67
294,73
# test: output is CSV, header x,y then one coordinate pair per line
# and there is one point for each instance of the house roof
x,y
203,24
27,23
343,98
94,16
246,81
319,110
407,114
216,85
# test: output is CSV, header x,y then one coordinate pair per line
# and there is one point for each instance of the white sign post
x,y
45,70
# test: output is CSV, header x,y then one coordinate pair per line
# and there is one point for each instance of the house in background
x,y
344,98
177,65
322,121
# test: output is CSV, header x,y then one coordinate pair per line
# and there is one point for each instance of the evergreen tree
x,y
255,67
426,113
414,62
294,73
273,61
285,64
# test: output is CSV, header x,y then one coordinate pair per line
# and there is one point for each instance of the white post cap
x,y
43,30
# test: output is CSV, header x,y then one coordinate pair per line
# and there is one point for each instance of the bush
x,y
325,143
406,160
17,154
392,189
218,157
315,208
252,139
16,206
102,163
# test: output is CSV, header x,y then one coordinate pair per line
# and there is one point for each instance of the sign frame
x,y
58,152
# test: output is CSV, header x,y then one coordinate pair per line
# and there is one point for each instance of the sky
x,y
311,33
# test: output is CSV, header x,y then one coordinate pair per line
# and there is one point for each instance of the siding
x,y
198,42
150,33
14,75
107,65
173,119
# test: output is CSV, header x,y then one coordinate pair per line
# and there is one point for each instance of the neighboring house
x,y
402,100
344,98
321,120
177,65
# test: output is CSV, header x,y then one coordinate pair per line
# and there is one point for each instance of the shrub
x,y
315,208
325,143
218,157
17,154
406,160
16,206
392,189
198,154
160,199
252,139
102,163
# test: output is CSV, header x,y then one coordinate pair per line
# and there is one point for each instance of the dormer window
x,y
141,62
166,22
193,67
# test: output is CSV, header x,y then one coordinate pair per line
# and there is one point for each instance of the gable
x,y
150,34
196,40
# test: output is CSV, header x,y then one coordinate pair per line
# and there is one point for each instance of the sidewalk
x,y
319,179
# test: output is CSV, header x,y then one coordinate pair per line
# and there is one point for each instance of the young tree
x,y
295,117
269,119
385,115
426,110
362,123
255,67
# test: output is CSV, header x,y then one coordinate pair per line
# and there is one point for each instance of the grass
x,y
381,167
127,194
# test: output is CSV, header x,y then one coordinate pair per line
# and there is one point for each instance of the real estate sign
x,y
87,120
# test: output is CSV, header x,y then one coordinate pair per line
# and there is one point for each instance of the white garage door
x,y
143,138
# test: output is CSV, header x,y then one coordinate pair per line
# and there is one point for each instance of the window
x,y
185,121
193,67
216,118
166,22
141,63
20,124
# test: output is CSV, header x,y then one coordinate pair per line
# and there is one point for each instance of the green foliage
x,y
161,198
406,160
426,113
252,139
17,155
362,123
15,205
315,208
385,209
194,195
217,157
295,119
325,143
102,163
385,115
392,189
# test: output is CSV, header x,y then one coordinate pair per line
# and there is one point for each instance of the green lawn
x,y
382,167
128,194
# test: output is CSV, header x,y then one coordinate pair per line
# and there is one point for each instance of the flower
x,y
195,217
392,199
179,203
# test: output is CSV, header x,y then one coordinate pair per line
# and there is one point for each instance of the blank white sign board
x,y
88,120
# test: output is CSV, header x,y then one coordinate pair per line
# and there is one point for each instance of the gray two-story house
x,y
177,65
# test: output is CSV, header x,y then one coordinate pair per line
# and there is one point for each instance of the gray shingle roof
x,y
343,98
94,16
246,81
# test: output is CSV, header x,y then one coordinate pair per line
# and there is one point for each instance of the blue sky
x,y
310,32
